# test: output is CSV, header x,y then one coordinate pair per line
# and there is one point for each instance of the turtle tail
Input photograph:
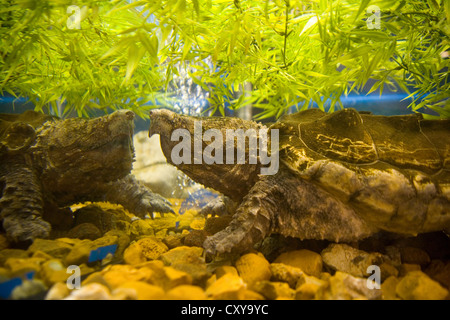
x,y
251,223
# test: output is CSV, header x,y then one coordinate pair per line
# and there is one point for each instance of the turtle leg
x,y
135,197
21,204
286,204
252,221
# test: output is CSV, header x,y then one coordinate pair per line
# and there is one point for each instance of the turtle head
x,y
219,152
81,151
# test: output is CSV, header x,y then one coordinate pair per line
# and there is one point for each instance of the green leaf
x,y
362,7
135,55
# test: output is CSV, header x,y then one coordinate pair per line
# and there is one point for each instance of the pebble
x,y
186,292
388,288
53,271
19,266
253,268
172,241
169,278
152,248
227,287
29,289
54,248
285,273
308,261
115,275
58,291
309,287
183,254
133,254
343,286
144,291
416,285
274,290
197,271
141,227
222,270
92,291
347,259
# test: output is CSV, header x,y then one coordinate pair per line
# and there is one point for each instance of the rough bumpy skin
x,y
48,163
343,177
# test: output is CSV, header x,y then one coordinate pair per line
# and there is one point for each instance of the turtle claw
x,y
152,203
25,227
220,206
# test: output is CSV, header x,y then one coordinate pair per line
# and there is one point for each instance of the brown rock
x,y
439,271
172,241
405,268
195,238
4,243
85,231
104,219
411,255
216,224
308,261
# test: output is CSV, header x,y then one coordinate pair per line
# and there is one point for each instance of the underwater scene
x,y
224,150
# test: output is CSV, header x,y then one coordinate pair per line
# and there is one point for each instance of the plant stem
x,y
286,32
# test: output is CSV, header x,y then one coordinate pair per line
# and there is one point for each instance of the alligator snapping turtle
x,y
48,163
343,176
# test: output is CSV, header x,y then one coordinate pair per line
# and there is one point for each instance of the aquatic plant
x,y
97,54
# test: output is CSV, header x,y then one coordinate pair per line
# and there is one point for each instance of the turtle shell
x,y
395,170
18,131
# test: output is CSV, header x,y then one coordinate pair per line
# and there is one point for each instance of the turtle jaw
x,y
161,122
165,122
